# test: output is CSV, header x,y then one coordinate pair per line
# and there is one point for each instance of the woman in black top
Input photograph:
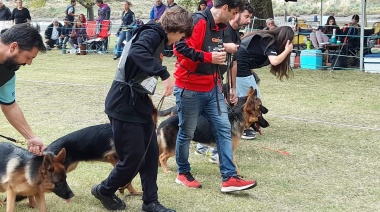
x,y
20,14
127,20
324,35
262,48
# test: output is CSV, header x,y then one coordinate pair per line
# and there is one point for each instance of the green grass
x,y
328,122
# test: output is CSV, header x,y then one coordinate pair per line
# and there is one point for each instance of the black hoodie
x,y
123,102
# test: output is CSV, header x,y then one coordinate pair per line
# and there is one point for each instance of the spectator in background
x,y
350,36
202,5
324,35
157,10
270,24
67,28
70,11
127,19
78,35
5,12
171,4
292,18
104,13
209,4
351,31
52,33
83,20
20,14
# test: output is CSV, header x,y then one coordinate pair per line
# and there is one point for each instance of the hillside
x,y
56,8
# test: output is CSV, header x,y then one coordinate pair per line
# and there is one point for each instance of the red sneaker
x,y
236,183
188,180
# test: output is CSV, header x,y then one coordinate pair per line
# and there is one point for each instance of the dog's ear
x,y
251,91
48,163
61,155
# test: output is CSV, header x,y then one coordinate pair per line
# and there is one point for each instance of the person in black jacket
x,y
5,12
130,109
52,33
127,20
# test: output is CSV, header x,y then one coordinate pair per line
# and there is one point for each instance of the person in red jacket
x,y
198,92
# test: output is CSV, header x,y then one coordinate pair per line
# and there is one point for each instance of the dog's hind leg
x,y
163,158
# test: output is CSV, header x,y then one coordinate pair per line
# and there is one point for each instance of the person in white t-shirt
x,y
52,33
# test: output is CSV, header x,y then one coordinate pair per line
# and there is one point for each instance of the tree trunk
x,y
262,10
89,5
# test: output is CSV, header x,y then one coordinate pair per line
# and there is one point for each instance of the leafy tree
x,y
88,4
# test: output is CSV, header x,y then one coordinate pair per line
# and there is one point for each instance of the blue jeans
x,y
243,84
123,35
190,105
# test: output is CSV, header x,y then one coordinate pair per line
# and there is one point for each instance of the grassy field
x,y
328,122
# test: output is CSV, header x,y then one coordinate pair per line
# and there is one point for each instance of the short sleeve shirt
x,y
255,56
7,92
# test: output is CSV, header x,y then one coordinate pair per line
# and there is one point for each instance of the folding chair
x,y
99,42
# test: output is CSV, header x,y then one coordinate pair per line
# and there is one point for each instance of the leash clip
x,y
20,142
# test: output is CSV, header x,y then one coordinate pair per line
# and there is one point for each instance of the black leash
x,y
229,78
13,140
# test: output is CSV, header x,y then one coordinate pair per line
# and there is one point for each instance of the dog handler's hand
x,y
218,57
168,87
35,145
233,96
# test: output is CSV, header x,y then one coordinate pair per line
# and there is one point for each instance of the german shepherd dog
x,y
94,143
23,173
247,112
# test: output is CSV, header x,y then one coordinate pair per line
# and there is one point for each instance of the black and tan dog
x,y
23,173
94,143
248,112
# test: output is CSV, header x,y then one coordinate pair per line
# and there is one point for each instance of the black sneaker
x,y
249,134
155,207
111,203
116,57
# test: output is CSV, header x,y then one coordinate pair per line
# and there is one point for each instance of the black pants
x,y
131,141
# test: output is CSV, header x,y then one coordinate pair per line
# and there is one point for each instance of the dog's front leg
x,y
40,200
11,199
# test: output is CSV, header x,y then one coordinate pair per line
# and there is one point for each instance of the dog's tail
x,y
170,111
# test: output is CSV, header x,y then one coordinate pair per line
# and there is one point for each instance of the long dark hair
x,y
279,37
328,29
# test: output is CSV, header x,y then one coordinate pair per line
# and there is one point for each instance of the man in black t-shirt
x,y
241,20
